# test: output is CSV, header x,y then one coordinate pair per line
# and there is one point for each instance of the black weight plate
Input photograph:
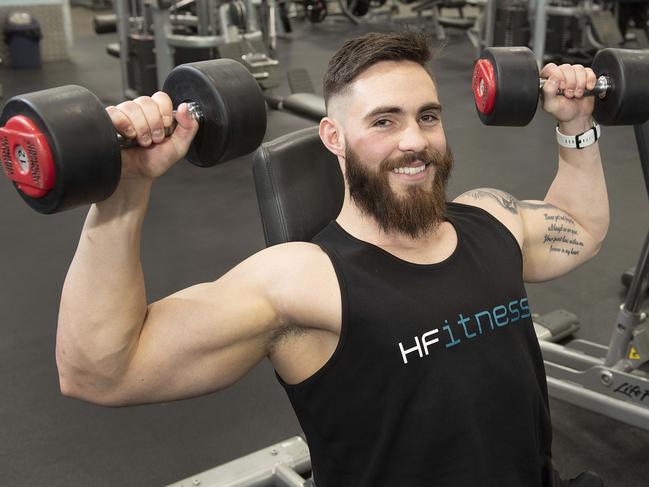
x,y
104,24
358,7
627,276
627,103
316,10
517,86
237,14
233,107
83,144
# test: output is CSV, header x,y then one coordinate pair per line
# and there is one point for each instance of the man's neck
x,y
364,227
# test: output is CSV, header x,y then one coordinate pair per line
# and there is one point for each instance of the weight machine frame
x,y
483,36
165,40
281,465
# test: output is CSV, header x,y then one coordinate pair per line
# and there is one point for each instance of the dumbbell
x,y
506,86
60,149
104,23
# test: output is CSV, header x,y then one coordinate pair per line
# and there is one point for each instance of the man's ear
x,y
332,137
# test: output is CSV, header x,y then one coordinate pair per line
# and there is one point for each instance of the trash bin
x,y
22,34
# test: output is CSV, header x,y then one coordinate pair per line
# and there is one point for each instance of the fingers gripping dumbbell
x,y
60,148
194,111
506,86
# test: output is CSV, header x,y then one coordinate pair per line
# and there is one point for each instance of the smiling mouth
x,y
410,169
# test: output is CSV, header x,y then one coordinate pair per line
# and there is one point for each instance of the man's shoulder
x,y
491,200
301,283
292,254
293,267
501,205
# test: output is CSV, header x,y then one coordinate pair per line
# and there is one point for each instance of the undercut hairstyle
x,y
357,55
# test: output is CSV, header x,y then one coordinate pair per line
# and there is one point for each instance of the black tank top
x,y
437,379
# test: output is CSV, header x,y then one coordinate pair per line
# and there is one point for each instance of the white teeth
x,y
409,170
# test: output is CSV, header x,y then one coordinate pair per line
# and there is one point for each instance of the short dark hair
x,y
361,53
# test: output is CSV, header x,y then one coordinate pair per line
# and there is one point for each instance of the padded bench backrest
x,y
299,186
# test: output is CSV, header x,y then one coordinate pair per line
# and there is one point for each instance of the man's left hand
x,y
573,80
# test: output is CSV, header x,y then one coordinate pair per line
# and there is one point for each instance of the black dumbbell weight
x,y
627,102
60,149
232,105
506,86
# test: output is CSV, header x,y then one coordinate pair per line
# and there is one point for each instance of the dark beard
x,y
417,212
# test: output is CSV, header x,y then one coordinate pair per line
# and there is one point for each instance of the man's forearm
x,y
103,304
579,187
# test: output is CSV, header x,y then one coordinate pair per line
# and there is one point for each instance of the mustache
x,y
427,157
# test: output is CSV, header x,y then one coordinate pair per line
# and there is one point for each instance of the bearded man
x,y
402,333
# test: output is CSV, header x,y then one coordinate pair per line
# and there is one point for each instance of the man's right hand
x,y
145,119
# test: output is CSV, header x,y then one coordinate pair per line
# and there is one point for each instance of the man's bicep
x,y
554,243
203,338
543,231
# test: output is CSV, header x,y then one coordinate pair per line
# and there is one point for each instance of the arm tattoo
x,y
561,236
506,200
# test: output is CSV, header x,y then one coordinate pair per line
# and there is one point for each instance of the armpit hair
x,y
283,333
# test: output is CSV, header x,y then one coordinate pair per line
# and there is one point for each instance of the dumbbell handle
x,y
194,110
602,86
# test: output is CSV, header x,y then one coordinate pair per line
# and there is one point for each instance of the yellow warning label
x,y
633,354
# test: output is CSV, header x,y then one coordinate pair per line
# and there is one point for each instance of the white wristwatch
x,y
589,137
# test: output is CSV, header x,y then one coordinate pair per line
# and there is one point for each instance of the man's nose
x,y
413,139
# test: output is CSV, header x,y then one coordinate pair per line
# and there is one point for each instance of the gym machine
x,y
494,23
353,11
161,34
572,30
367,11
93,4
609,379
302,101
439,23
279,465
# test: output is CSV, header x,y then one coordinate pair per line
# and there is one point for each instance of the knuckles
x,y
572,78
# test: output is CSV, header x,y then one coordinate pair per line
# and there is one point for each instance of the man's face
x,y
418,210
397,161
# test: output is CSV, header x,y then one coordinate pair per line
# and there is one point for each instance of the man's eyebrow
x,y
431,106
397,110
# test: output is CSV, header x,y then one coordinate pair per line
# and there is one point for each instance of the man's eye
x,y
429,118
382,123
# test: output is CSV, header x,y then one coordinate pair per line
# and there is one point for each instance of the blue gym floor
x,y
202,222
